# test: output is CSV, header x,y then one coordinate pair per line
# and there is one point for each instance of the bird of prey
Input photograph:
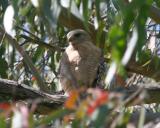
x,y
81,63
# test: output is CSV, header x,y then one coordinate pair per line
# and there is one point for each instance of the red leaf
x,y
5,106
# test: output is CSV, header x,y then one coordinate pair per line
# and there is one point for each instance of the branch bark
x,y
15,91
151,119
148,65
155,14
48,102
70,21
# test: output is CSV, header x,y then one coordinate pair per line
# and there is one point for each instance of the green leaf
x,y
15,4
101,117
57,114
24,11
141,23
157,2
4,4
38,54
4,68
97,4
2,50
3,122
85,13
51,10
117,41
78,2
52,65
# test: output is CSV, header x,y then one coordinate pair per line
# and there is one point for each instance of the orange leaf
x,y
33,78
71,101
100,97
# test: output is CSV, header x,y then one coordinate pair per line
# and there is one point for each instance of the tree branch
x,y
155,14
15,91
150,69
47,102
35,39
70,21
42,43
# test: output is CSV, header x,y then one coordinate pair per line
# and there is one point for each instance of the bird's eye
x,y
77,35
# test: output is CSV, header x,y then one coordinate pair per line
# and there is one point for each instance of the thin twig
x,y
18,27
38,41
42,43
4,34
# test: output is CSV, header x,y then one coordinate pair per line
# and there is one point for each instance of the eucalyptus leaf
x,y
4,4
51,10
3,68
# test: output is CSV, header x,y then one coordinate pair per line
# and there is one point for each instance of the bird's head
x,y
78,36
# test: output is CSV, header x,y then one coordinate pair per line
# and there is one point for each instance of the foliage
x,y
82,109
39,32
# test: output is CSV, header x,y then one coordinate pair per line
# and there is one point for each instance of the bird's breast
x,y
83,64
74,57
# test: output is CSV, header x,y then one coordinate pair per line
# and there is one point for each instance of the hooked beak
x,y
70,39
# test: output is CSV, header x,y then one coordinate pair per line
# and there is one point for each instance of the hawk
x,y
81,63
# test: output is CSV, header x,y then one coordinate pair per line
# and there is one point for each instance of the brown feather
x,y
79,63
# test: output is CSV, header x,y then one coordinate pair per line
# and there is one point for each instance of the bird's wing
x,y
67,78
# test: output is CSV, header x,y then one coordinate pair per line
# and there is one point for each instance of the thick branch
x,y
16,91
155,14
148,66
151,119
47,102
152,94
72,22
